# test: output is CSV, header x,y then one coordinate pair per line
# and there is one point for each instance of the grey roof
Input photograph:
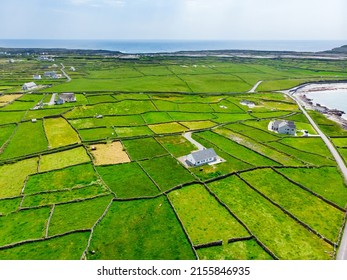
x,y
67,96
281,123
204,154
30,85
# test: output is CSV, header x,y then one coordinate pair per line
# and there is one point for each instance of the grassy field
x,y
141,230
31,139
63,159
134,113
281,234
203,217
167,172
59,133
69,247
127,180
242,250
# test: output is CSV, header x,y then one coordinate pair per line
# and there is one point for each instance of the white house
x,y
72,69
37,77
66,97
50,74
202,157
29,86
284,127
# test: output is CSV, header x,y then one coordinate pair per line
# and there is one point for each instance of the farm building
x,y
50,74
37,77
66,97
284,127
29,86
72,69
202,157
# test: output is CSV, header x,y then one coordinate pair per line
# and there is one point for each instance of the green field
x,y
281,192
141,230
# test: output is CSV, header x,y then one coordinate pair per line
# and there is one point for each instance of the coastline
x,y
335,114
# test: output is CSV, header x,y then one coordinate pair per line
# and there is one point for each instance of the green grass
x,y
9,205
281,234
327,126
340,142
39,114
167,172
226,118
309,209
230,165
59,133
242,250
203,217
307,158
94,99
69,247
30,137
140,230
13,176
258,147
63,159
78,215
157,117
257,134
167,128
325,181
10,117
126,107
32,225
227,107
75,194
177,145
79,175
144,148
127,180
198,125
93,134
239,151
311,144
133,131
5,133
184,116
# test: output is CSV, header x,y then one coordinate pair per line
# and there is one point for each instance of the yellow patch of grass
x,y
9,98
112,153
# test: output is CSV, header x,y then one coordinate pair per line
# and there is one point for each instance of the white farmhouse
x,y
284,127
29,86
66,97
202,157
37,77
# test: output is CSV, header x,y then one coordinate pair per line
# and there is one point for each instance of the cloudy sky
x,y
174,19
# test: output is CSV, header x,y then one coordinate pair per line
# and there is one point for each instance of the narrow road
x,y
188,136
342,252
64,73
253,90
52,101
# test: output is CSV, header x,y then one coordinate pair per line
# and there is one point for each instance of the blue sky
x,y
174,19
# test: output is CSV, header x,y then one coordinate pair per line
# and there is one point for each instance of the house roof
x,y
204,154
29,85
281,123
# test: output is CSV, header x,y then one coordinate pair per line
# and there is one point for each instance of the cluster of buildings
x,y
48,74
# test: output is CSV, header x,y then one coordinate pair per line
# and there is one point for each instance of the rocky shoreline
x,y
333,114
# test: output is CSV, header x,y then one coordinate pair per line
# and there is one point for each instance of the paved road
x,y
52,101
188,136
253,90
342,253
64,73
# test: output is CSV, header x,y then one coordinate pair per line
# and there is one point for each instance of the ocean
x,y
156,46
333,99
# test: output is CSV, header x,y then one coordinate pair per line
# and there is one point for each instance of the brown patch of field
x,y
109,154
9,98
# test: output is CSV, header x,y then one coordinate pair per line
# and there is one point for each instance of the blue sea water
x,y
152,46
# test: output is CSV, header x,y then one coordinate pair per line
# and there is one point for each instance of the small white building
x,y
284,127
202,157
57,76
66,97
37,77
29,86
72,69
50,74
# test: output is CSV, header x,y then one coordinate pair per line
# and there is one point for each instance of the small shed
x,y
202,157
37,77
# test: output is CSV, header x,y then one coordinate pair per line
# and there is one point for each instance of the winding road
x,y
253,90
342,252
64,73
